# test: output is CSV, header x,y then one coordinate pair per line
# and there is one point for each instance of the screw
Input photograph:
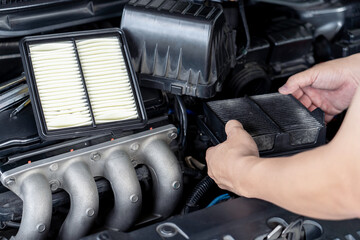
x,y
54,185
95,156
134,198
134,147
176,185
53,167
10,182
172,135
41,227
90,212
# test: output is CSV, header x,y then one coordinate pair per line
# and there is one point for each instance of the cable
x,y
246,29
183,120
12,224
218,199
200,190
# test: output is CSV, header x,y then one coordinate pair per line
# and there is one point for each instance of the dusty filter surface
x,y
107,79
60,86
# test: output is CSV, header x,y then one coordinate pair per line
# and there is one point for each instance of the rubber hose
x,y
199,191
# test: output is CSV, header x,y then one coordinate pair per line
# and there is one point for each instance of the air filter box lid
x,y
178,46
279,124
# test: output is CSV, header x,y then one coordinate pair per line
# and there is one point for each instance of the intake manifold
x,y
74,172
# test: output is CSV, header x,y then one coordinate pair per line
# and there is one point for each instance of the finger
x,y
298,93
312,107
306,101
328,117
297,81
209,151
231,126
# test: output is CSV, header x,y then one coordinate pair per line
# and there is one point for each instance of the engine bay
x,y
108,107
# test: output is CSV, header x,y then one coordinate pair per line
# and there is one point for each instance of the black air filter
x,y
81,83
278,123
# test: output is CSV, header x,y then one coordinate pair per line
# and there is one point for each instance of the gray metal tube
x,y
127,192
166,174
37,209
81,186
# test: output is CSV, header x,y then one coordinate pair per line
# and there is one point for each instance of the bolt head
x,y
10,182
41,227
172,135
54,185
134,147
134,198
95,156
176,185
90,212
53,167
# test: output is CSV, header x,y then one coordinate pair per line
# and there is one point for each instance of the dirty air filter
x,y
81,83
178,46
279,124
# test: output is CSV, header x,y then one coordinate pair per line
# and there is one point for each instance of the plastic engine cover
x,y
177,46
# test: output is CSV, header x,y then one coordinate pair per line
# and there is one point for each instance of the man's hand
x,y
226,160
329,86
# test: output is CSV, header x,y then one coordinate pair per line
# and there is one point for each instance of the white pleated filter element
x,y
107,80
60,86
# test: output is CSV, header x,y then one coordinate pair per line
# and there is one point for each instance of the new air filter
x,y
279,124
81,83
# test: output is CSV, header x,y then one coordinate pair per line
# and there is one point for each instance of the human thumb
x,y
232,126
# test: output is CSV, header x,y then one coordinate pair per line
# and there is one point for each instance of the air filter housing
x,y
81,83
279,124
181,47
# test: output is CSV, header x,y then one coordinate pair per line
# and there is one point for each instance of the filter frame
x,y
101,128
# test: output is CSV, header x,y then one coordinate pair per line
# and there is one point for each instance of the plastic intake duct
x,y
82,80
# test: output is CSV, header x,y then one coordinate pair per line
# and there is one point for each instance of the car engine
x,y
107,109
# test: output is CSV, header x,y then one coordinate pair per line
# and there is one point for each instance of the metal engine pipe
x,y
75,171
121,174
80,184
166,174
37,208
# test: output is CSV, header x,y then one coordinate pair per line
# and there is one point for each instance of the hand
x,y
329,86
229,162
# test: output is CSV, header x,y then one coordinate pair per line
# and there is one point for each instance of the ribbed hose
x,y
199,191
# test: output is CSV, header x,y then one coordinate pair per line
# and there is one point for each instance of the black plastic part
x,y
258,51
240,219
18,129
9,57
248,79
21,18
105,128
279,124
327,17
181,47
200,190
155,102
290,40
349,44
